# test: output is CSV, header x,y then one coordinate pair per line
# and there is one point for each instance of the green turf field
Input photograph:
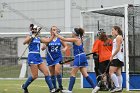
x,y
39,86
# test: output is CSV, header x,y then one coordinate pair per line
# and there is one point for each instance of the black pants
x,y
96,63
104,67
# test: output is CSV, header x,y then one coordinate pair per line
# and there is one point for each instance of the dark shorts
x,y
116,63
104,66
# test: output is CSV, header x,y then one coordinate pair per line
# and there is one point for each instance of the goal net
x,y
128,18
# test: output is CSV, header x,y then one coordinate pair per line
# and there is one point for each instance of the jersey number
x,y
38,47
54,49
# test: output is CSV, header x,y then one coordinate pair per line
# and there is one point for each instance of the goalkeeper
x,y
103,47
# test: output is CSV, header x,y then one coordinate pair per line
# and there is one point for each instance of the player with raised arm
x,y
34,59
80,60
54,56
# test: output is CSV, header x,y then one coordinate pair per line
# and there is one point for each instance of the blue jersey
x,y
54,55
80,59
78,49
34,46
34,56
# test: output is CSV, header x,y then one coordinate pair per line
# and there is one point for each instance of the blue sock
x,y
54,81
71,83
49,82
90,81
28,82
59,79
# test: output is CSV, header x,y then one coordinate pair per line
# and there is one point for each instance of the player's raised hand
x,y
64,50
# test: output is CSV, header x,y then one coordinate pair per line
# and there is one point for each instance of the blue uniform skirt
x,y
52,62
34,58
80,60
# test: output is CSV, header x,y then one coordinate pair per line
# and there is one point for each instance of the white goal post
x,y
106,18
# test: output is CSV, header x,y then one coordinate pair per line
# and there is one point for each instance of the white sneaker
x,y
66,91
52,91
96,89
117,89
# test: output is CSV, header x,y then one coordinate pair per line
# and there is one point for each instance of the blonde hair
x,y
52,27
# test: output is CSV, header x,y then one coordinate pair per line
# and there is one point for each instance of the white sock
x,y
120,80
115,80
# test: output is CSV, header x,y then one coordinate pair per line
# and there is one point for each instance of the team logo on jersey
x,y
31,62
54,44
36,41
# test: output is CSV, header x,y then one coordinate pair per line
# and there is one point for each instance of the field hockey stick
x,y
101,76
29,44
63,62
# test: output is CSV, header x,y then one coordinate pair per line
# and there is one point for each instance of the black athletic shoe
x,y
61,90
25,89
57,90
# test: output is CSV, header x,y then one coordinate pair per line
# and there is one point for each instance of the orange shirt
x,y
103,49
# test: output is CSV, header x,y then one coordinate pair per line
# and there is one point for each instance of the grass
x,y
39,86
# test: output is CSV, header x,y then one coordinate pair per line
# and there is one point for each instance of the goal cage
x,y
11,47
128,18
